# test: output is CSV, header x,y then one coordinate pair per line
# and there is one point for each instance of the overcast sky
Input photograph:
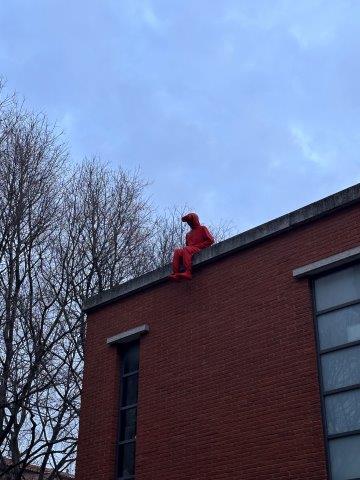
x,y
243,109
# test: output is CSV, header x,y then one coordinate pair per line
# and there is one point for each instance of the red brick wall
x,y
228,384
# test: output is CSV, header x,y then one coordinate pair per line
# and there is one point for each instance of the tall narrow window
x,y
337,299
128,411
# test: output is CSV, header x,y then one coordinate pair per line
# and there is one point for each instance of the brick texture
x,y
228,385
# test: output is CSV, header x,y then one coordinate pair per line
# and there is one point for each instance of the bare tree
x,y
31,161
66,233
107,221
63,237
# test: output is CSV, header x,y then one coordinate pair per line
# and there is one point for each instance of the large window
x,y
337,300
128,411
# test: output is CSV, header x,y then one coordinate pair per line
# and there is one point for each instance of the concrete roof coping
x,y
326,264
243,240
128,336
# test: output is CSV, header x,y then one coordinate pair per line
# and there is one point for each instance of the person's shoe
x,y
184,276
174,277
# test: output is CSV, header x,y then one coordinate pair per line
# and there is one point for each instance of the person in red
x,y
198,238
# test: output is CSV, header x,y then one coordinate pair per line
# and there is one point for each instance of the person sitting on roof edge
x,y
197,239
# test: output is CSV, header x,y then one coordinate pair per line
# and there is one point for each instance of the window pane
x,y
341,326
345,457
341,368
126,460
338,287
128,424
130,358
343,412
129,390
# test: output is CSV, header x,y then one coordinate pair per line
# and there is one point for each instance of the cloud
x,y
308,38
213,99
150,18
263,15
140,13
68,121
306,145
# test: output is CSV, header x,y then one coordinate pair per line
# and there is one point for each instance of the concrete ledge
x,y
132,286
327,263
128,336
246,239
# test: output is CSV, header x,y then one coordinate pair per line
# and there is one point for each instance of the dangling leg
x,y
187,254
178,254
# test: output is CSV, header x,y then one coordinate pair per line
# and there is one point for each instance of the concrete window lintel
x,y
128,335
328,263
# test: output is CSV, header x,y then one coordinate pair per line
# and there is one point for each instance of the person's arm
x,y
208,239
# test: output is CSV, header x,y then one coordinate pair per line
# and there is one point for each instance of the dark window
x,y
128,410
337,301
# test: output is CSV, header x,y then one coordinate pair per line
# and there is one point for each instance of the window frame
x,y
320,352
122,349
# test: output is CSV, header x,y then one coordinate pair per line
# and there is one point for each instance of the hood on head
x,y
191,219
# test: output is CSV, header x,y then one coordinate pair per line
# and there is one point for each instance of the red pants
x,y
183,255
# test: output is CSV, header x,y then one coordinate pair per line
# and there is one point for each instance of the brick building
x,y
249,371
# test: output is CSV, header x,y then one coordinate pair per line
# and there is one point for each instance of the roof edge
x,y
245,239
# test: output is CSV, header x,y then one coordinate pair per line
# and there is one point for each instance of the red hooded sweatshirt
x,y
199,236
